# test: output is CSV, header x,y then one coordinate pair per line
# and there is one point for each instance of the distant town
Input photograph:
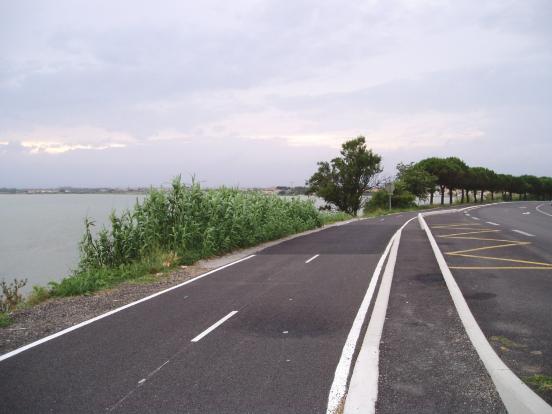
x,y
279,190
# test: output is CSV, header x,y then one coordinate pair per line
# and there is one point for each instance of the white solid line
x,y
312,258
475,218
111,312
214,326
363,389
543,212
524,233
516,396
339,384
492,223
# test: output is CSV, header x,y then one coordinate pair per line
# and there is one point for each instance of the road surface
x,y
269,333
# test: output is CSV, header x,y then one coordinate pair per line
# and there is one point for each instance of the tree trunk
x,y
442,195
467,196
463,196
450,196
481,198
431,198
492,195
475,196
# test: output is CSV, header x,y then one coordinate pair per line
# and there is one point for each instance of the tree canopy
x,y
344,179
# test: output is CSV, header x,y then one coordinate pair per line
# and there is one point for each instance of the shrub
x,y
180,226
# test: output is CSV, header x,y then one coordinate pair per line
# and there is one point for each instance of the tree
x,y
343,180
457,171
448,172
416,180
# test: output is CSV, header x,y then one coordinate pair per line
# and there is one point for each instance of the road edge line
x,y
515,394
339,384
116,310
363,389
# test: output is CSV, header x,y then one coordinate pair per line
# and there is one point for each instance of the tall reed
x,y
180,226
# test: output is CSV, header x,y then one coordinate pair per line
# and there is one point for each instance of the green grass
x,y
384,212
332,217
181,226
506,342
540,382
5,320
38,295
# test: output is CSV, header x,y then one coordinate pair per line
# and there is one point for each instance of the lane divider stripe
x,y
312,258
213,327
524,233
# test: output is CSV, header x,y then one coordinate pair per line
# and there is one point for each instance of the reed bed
x,y
180,226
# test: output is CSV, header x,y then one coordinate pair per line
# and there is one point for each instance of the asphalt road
x,y
501,258
283,324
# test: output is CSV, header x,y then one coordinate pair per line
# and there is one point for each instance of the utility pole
x,y
390,187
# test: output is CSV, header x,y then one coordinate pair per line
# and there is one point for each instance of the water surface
x,y
39,234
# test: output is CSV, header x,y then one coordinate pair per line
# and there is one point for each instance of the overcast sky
x,y
253,93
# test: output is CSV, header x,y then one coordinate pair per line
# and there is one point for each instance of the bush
x,y
184,224
380,200
38,295
10,296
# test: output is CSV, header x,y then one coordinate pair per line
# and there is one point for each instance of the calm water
x,y
39,234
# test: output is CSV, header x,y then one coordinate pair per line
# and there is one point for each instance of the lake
x,y
39,234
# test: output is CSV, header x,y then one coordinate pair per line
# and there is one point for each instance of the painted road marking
x,y
475,218
543,212
526,213
213,327
492,223
470,232
363,389
111,312
505,243
312,258
524,233
339,384
516,396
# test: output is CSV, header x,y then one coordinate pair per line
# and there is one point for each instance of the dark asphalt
x,y
512,306
427,362
277,354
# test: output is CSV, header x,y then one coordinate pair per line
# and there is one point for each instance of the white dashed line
x,y
492,223
475,218
214,326
526,213
543,212
312,258
524,233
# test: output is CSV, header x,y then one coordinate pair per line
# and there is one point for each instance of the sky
x,y
254,93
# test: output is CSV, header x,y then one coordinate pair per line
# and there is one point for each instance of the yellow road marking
x,y
488,248
444,226
473,256
469,232
504,244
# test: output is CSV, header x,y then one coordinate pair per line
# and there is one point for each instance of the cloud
x,y
417,78
52,140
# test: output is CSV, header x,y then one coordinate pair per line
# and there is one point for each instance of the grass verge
x,y
542,383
